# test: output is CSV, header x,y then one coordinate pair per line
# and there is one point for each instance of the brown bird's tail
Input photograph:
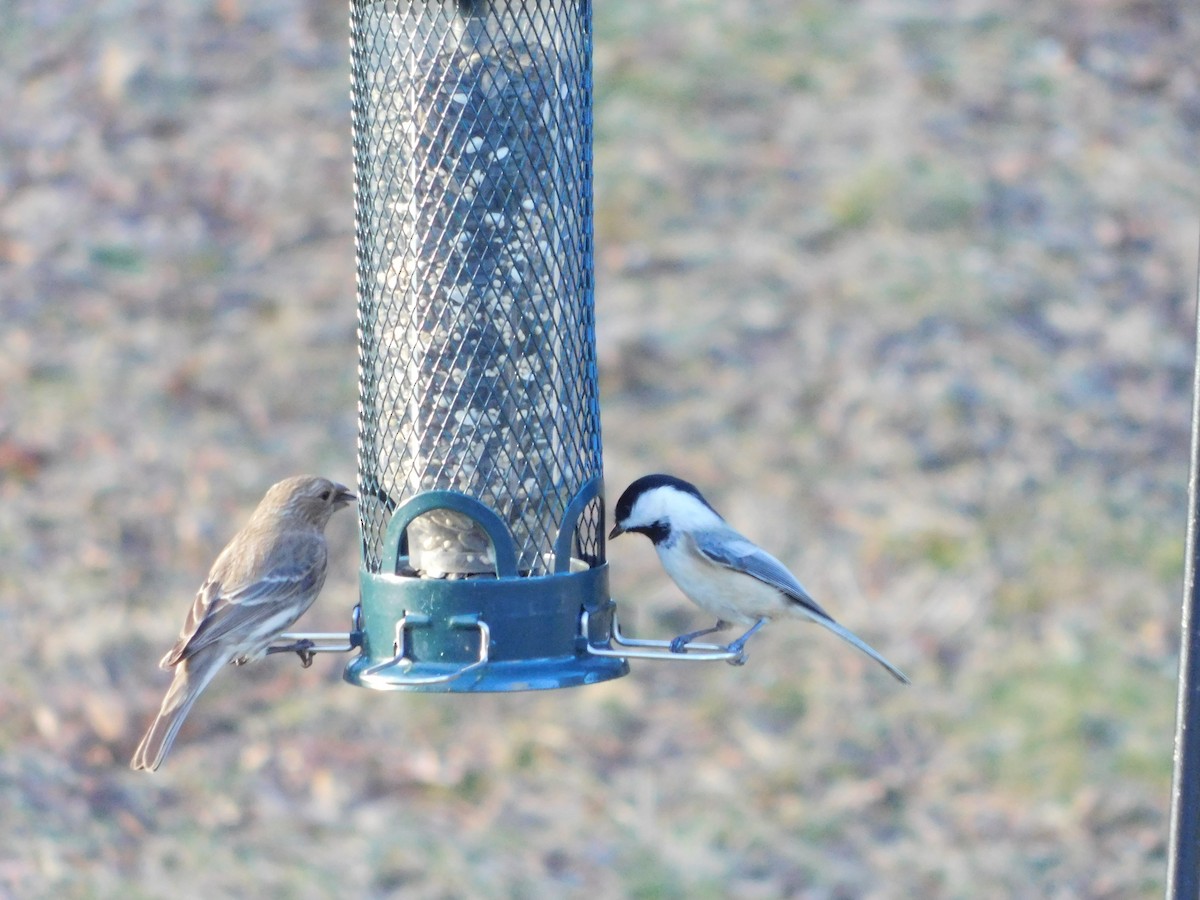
x,y
192,676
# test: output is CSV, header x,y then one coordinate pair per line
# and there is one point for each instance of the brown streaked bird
x,y
263,581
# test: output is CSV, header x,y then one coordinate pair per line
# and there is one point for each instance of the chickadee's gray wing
x,y
730,549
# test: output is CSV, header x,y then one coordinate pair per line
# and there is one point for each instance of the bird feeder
x,y
479,468
479,461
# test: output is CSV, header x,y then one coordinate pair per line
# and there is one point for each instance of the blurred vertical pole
x,y
1183,851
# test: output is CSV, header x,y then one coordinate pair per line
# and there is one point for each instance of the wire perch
x,y
691,651
306,644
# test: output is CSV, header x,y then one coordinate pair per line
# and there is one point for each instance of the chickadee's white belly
x,y
727,594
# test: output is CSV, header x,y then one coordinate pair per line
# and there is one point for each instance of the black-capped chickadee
x,y
721,571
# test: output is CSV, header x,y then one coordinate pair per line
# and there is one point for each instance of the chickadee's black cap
x,y
648,483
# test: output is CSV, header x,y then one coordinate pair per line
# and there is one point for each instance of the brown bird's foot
x,y
306,655
302,648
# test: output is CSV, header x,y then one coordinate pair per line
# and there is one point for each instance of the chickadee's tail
x,y
851,638
192,675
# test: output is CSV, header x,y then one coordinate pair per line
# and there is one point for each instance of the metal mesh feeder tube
x,y
479,438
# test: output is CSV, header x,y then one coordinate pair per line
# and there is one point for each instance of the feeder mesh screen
x,y
472,175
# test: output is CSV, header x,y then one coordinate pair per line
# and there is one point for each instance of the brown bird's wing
x,y
292,573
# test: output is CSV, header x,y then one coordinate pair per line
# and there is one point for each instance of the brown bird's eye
x,y
325,494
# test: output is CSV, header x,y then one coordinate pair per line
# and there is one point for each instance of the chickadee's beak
x,y
617,530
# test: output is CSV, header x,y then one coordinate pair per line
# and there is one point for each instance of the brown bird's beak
x,y
617,531
344,495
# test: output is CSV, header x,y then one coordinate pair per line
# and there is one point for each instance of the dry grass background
x,y
906,286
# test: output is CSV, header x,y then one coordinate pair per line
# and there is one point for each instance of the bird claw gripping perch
x,y
308,645
303,648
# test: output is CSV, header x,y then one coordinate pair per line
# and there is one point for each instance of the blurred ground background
x,y
906,287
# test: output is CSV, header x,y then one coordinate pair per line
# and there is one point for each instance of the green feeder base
x,y
507,633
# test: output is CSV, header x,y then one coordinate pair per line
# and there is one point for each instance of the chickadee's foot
x,y
737,648
679,645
